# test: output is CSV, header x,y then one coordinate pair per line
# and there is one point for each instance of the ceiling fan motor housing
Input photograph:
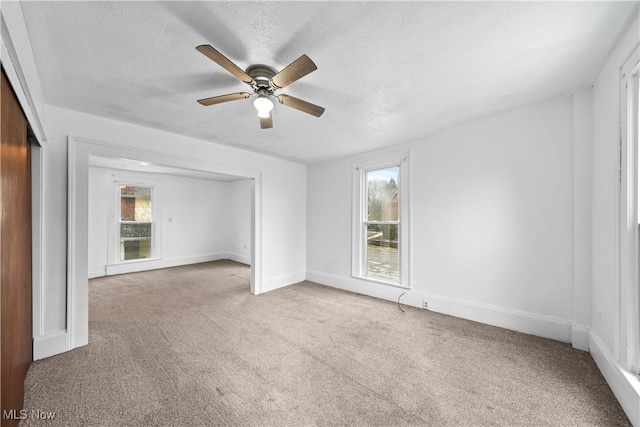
x,y
261,74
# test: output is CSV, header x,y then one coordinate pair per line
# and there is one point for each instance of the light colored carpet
x,y
189,346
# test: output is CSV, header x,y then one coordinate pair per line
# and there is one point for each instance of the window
x,y
135,223
628,330
380,241
381,224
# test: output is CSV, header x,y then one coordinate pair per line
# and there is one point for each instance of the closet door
x,y
15,253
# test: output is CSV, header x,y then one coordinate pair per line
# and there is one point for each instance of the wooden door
x,y
15,252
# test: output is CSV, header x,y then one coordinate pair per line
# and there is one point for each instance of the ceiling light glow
x,y
263,105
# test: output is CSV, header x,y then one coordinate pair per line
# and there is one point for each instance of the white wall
x,y
239,221
283,208
195,219
582,172
492,213
606,309
100,214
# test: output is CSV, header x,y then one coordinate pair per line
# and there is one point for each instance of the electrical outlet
x,y
425,304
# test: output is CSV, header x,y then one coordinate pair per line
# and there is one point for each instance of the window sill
x,y
133,261
381,282
133,266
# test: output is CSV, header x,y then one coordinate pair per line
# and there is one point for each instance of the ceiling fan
x,y
264,81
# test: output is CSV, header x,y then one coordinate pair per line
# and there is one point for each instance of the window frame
x,y
627,337
154,247
359,212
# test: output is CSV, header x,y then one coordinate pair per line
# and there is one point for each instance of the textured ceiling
x,y
388,72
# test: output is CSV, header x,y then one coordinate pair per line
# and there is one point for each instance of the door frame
x,y
80,149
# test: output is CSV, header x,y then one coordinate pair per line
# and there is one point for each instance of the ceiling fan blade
x,y
225,63
266,122
223,98
301,105
292,72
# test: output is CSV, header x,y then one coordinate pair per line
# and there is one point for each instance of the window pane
x,y
135,240
382,252
134,230
382,194
135,225
135,249
128,209
135,203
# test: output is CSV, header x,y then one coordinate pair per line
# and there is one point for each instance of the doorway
x,y
145,216
80,152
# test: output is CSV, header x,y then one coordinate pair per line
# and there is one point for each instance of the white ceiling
x,y
388,72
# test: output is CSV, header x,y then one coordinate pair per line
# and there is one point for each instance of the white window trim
x,y
360,168
628,328
114,224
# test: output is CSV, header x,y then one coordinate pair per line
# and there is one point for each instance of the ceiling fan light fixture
x,y
264,81
264,106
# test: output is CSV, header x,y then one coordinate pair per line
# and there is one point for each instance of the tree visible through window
x,y
135,222
381,224
380,240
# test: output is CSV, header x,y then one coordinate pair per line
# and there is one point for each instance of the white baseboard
x,y
50,344
516,320
282,281
156,263
243,259
624,384
580,337
529,323
366,287
94,274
